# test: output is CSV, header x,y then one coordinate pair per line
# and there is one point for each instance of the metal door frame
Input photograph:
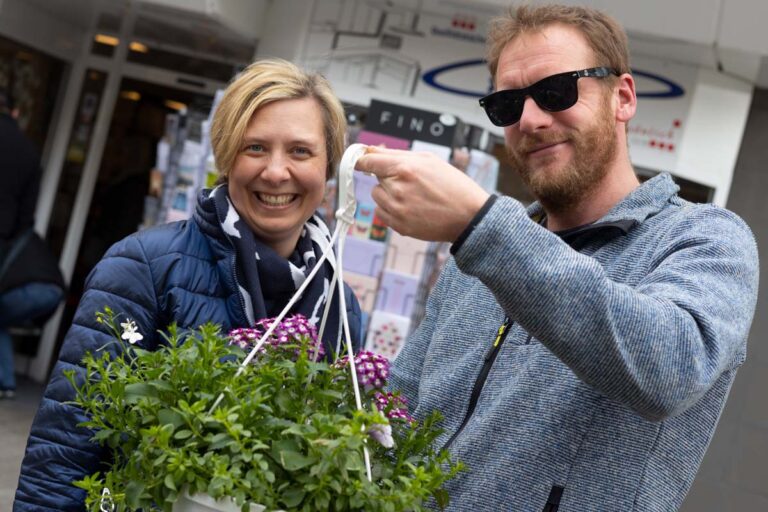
x,y
116,68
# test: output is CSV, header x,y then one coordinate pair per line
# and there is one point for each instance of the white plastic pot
x,y
204,503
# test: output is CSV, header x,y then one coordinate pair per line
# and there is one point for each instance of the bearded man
x,y
581,350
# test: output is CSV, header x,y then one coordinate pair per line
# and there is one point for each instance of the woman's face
x,y
278,178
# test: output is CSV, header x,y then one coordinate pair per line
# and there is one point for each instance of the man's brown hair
x,y
603,33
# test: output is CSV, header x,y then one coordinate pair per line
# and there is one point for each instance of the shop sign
x,y
410,123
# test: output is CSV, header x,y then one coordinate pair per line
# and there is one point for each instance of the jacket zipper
x,y
553,502
501,335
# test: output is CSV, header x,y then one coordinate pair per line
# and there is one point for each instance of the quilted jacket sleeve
x,y
58,451
355,318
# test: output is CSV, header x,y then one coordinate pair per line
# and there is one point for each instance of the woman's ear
x,y
626,98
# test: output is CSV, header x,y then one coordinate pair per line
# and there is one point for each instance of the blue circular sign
x,y
668,88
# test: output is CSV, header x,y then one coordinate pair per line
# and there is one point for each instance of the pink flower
x,y
290,331
393,406
372,369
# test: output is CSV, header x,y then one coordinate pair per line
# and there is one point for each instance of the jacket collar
x,y
645,201
206,216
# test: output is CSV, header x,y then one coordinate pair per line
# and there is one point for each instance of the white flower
x,y
130,333
382,434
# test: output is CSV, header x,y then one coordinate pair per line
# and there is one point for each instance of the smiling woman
x,y
278,179
277,135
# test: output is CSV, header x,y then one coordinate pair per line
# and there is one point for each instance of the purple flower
x,y
393,406
290,331
372,369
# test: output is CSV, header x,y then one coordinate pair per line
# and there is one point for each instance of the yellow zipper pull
x,y
500,332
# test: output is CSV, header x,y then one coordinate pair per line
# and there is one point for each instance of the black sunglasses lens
x,y
504,107
553,94
556,93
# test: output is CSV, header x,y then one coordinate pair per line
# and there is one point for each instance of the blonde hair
x,y
264,82
603,33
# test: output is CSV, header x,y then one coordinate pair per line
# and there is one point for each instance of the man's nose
x,y
533,117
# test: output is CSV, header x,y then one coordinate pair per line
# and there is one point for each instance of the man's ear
x,y
626,97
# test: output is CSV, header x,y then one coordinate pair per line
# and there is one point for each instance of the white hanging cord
x,y
351,351
345,217
282,314
326,310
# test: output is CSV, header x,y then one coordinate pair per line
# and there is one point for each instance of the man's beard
x,y
560,189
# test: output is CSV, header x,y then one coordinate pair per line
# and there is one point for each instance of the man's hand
x,y
420,195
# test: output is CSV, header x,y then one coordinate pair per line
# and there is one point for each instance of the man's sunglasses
x,y
553,94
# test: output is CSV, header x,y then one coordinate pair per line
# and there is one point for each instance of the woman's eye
x,y
255,148
301,151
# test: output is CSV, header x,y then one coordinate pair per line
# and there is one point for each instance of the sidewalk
x,y
15,419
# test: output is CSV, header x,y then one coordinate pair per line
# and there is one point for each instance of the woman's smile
x,y
276,200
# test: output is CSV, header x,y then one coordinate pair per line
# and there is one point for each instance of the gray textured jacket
x,y
619,358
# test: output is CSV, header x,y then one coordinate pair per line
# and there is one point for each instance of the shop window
x,y
33,78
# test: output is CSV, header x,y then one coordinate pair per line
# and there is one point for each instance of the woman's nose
x,y
277,169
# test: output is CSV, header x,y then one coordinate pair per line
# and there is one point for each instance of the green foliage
x,y
286,435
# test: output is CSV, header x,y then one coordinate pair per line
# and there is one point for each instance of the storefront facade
x,y
86,61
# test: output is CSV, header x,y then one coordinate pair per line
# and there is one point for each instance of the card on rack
x,y
405,254
378,229
443,152
364,257
363,220
364,288
397,293
386,333
484,169
364,184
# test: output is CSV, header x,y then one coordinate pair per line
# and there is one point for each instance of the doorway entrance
x,y
130,152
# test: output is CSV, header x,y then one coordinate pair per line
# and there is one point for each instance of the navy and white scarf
x,y
267,281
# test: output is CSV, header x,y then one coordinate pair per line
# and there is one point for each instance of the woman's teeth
x,y
275,200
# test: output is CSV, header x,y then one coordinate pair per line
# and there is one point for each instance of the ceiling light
x,y
105,39
175,105
136,46
130,95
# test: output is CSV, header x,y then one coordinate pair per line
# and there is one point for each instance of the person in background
x,y
31,285
581,350
277,137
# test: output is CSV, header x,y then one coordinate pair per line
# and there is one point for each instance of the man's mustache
x,y
530,143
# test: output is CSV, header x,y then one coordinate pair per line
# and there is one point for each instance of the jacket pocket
x,y
553,502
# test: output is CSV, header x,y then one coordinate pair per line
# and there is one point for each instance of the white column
x,y
40,364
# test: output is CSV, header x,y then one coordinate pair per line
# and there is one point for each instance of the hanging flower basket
x,y
283,432
204,503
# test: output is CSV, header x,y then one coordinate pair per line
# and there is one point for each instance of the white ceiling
x,y
720,34
196,25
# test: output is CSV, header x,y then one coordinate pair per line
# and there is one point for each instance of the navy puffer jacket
x,y
182,272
